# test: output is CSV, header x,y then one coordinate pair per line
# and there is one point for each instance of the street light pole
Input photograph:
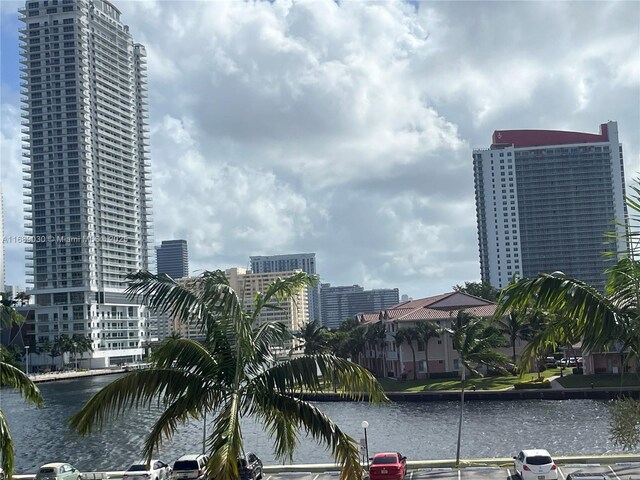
x,y
365,425
27,366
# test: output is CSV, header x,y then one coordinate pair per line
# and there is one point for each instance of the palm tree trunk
x,y
415,370
426,358
461,417
513,347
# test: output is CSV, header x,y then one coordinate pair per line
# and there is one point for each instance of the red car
x,y
388,466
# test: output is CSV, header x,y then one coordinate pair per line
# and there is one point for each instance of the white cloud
x,y
347,129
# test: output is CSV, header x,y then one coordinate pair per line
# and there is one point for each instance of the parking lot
x,y
620,471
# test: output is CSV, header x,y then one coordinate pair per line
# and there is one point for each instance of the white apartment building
x,y
545,200
86,164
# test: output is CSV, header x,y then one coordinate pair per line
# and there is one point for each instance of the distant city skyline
x,y
346,128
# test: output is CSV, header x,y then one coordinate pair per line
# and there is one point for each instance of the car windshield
x,y
137,468
384,460
186,465
539,460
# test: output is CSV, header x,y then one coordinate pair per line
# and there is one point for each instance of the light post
x,y
365,425
26,347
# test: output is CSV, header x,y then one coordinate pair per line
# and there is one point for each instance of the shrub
x,y
537,383
436,375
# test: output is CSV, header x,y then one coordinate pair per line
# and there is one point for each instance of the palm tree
x,y
314,336
13,377
427,331
47,347
23,297
517,327
577,310
475,344
408,334
230,375
81,344
376,335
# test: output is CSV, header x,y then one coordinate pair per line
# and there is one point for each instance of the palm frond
x,y
136,389
275,408
225,442
593,315
6,446
13,377
9,315
184,408
281,289
163,294
312,372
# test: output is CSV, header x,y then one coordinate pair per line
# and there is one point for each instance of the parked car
x,y
158,470
388,466
190,467
1,474
58,471
549,362
535,465
587,476
250,467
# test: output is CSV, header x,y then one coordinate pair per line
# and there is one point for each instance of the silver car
x,y
157,470
58,471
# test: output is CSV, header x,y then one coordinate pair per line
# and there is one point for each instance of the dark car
x,y
250,467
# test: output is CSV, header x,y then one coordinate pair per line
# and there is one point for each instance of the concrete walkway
x,y
67,375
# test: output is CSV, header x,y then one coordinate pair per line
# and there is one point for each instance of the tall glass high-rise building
x,y
545,201
86,162
172,258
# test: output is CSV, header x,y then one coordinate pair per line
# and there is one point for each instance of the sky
x,y
347,128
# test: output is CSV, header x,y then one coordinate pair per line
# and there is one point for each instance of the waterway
x,y
422,431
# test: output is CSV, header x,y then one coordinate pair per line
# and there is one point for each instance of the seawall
x,y
486,395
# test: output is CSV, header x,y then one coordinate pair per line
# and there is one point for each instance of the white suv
x,y
190,467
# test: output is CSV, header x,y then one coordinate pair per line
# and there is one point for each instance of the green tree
x,y
408,335
576,310
426,331
516,326
475,343
480,290
81,344
230,375
315,338
23,298
13,377
47,347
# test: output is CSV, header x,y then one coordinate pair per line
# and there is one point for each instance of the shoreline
x,y
596,393
70,375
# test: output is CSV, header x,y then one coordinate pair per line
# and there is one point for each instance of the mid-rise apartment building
x,y
287,263
292,312
86,162
545,201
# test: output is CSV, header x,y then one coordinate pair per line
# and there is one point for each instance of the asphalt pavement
x,y
620,471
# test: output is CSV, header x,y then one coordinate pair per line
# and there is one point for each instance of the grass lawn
x,y
611,381
481,383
